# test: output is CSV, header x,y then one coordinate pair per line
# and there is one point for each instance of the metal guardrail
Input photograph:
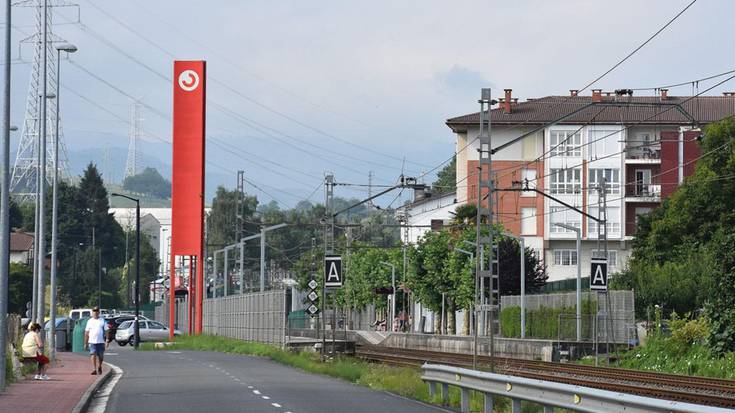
x,y
548,394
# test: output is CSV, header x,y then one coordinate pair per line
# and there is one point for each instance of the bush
x,y
688,332
545,322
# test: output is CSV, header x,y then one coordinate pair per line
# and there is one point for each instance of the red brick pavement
x,y
70,378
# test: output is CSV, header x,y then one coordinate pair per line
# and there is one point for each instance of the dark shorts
x,y
97,349
41,359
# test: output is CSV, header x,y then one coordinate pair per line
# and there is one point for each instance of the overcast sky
x,y
298,88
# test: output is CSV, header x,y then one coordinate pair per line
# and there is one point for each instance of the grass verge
x,y
665,355
403,381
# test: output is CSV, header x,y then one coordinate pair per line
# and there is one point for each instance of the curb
x,y
86,399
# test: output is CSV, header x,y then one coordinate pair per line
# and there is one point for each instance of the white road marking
x,y
265,397
99,401
256,391
275,405
250,387
107,353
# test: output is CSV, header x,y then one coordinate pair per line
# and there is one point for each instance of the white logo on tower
x,y
598,274
333,271
188,80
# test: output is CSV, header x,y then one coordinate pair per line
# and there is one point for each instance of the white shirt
x,y
96,330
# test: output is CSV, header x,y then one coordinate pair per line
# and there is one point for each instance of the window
x,y
563,215
612,179
529,175
565,257
528,221
612,257
566,181
613,221
565,143
603,144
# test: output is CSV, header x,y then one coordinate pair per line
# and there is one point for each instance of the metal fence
x,y
548,394
621,314
257,317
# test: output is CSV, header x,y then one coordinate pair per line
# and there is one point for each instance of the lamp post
x,y
393,295
579,275
5,195
69,48
137,266
522,245
474,320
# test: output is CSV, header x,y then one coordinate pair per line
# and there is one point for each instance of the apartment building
x,y
642,146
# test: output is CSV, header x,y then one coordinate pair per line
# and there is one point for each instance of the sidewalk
x,y
70,378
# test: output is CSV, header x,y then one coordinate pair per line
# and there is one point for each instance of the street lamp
x,y
522,245
137,266
393,296
474,321
5,194
579,275
69,48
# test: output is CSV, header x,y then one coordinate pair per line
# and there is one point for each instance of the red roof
x,y
21,241
650,110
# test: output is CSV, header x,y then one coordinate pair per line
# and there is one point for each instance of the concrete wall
x,y
257,317
504,347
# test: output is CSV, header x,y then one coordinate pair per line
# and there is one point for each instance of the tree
x,y
149,182
446,179
16,215
510,268
20,286
222,219
683,251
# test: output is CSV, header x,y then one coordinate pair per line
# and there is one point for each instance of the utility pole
x,y
486,214
40,231
5,197
240,223
328,245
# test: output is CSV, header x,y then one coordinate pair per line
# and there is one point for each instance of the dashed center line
x,y
275,405
256,391
266,397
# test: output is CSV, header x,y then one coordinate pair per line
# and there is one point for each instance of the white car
x,y
79,313
149,331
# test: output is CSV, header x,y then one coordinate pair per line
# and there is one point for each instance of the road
x,y
191,381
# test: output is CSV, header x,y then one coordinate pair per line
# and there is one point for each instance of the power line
x,y
228,87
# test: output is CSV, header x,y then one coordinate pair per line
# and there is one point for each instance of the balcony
x,y
642,192
643,154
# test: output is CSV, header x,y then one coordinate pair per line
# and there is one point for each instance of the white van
x,y
78,313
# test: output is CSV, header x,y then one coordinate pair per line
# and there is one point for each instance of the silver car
x,y
149,331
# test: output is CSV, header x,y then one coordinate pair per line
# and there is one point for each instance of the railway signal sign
x,y
313,297
333,271
312,310
598,274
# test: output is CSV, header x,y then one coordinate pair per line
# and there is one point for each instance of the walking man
x,y
94,335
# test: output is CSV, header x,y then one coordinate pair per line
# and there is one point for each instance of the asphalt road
x,y
191,381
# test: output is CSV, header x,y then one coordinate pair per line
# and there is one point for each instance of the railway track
x,y
691,389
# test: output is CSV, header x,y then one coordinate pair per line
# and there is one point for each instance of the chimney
x,y
597,95
573,92
508,100
728,94
664,94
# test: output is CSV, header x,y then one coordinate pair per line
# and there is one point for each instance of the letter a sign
x,y
333,271
598,275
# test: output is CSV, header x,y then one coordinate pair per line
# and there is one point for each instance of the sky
x,y
297,89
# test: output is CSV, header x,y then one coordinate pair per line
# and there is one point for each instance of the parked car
x,y
113,323
79,313
149,331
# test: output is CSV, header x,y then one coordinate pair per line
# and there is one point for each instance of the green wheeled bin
x,y
77,343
